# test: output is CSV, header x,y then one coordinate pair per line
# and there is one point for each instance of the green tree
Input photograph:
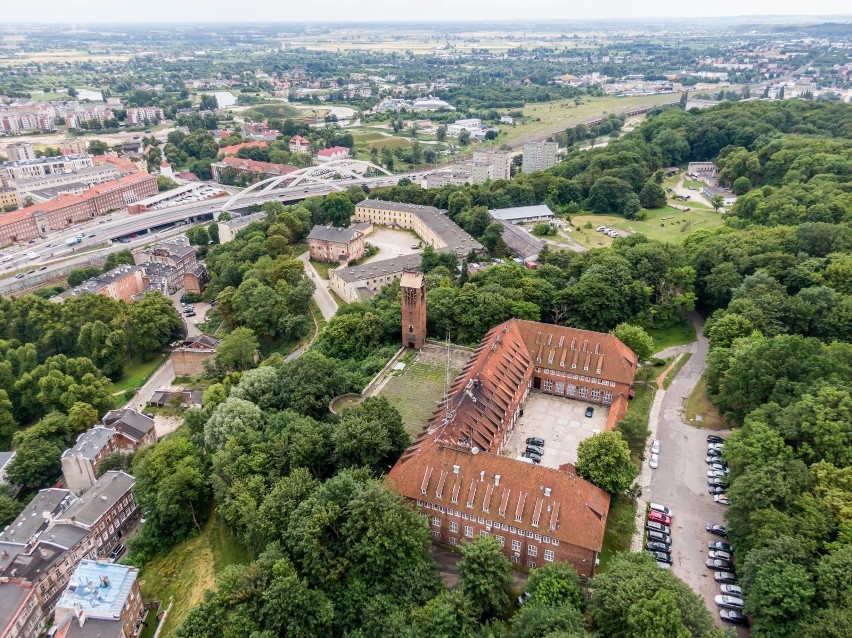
x,y
741,186
165,183
657,617
555,584
238,349
309,383
717,201
371,434
652,195
36,462
122,257
76,277
8,425
635,338
337,209
559,621
81,417
9,507
98,147
485,578
464,137
115,461
198,236
230,418
604,459
441,132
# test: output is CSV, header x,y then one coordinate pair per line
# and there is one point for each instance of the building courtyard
x,y
560,422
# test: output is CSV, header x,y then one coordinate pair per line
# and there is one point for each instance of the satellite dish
x,y
474,450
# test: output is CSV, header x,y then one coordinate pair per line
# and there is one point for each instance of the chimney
x,y
456,469
496,480
482,475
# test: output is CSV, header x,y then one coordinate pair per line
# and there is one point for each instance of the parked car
x,y
714,446
535,450
714,489
655,447
659,537
711,459
31,272
600,229
725,577
732,590
654,461
729,602
189,314
654,515
656,546
534,440
713,438
662,557
733,616
717,482
718,465
716,474
115,553
523,598
719,553
535,458
718,530
660,508
722,499
590,411
43,268
714,452
657,527
718,563
19,276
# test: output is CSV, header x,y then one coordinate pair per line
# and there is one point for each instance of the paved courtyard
x,y
392,243
560,422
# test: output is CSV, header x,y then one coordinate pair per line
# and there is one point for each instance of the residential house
x,y
229,229
21,615
236,166
121,283
80,462
299,144
195,280
188,359
190,398
133,430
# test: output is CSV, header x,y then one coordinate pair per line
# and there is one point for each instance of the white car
x,y
653,462
601,229
661,508
655,447
31,255
722,499
732,590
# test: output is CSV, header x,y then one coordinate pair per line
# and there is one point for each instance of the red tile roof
x,y
258,167
233,150
554,503
333,150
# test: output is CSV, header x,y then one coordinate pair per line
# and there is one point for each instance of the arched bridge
x,y
337,174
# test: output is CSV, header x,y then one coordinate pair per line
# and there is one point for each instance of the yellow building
x,y
9,197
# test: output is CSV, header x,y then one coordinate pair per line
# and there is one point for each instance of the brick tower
x,y
413,287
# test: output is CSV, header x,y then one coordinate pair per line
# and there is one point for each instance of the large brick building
x,y
330,244
67,210
455,472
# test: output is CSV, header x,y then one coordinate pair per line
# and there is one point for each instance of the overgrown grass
x,y
190,569
676,368
698,406
137,372
620,527
415,392
679,334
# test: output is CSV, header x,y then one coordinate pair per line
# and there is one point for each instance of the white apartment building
x,y
20,152
491,165
538,156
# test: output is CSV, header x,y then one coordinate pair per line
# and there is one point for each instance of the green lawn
x,y
620,527
137,372
190,569
676,368
323,267
300,249
663,224
679,334
700,411
275,111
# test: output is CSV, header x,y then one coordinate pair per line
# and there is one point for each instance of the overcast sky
x,y
81,11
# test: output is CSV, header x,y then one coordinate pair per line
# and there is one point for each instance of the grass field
x,y
549,117
323,267
190,569
678,335
698,406
136,373
663,224
416,390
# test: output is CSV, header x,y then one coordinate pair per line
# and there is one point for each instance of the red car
x,y
659,517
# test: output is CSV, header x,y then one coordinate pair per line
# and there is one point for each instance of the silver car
x,y
729,602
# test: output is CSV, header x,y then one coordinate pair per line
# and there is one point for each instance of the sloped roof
x,y
99,499
129,422
593,354
560,504
332,233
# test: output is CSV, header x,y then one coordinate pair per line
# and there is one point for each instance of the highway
x,y
49,258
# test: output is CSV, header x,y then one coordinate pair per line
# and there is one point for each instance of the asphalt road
x,y
327,304
680,481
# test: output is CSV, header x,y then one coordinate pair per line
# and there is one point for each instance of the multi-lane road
x,y
50,258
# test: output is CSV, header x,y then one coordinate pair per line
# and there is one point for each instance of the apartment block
x,y
491,165
538,156
20,152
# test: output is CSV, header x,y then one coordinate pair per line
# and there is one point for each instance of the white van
x,y
661,508
526,459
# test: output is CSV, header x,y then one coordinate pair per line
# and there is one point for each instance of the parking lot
x,y
392,243
560,422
